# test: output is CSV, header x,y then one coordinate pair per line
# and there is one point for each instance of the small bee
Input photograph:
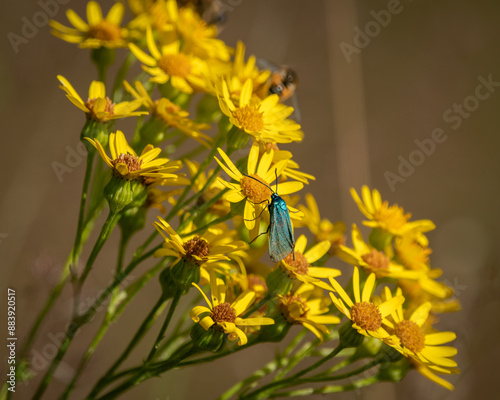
x,y
283,82
211,11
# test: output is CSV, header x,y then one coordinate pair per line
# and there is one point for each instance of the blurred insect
x,y
283,82
281,241
211,11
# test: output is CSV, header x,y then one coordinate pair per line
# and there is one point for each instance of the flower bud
x,y
179,278
278,282
380,239
121,193
95,130
275,332
208,109
210,340
349,337
236,139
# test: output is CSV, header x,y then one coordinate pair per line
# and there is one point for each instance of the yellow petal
x,y
243,301
203,294
207,322
253,158
94,13
342,293
355,286
246,93
421,314
389,306
368,288
317,251
76,21
231,169
196,311
115,14
439,338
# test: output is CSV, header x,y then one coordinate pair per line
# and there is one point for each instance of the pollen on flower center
x,y
105,30
366,315
376,260
411,336
300,265
196,247
175,65
132,162
249,118
256,192
223,313
109,108
393,217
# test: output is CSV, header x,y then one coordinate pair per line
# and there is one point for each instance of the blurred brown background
x,y
359,117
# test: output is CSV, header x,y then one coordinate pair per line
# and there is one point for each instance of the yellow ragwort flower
x,y
99,107
300,268
307,306
389,218
127,165
410,339
321,228
373,260
97,31
265,120
170,114
210,247
367,317
255,194
185,72
226,316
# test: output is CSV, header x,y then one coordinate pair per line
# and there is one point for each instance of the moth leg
x,y
260,234
259,214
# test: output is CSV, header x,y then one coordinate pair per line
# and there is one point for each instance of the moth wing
x,y
281,241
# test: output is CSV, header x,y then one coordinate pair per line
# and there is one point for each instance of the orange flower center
x,y
175,65
392,217
249,118
300,265
366,315
411,335
293,307
376,260
223,313
132,162
106,31
109,108
196,247
254,191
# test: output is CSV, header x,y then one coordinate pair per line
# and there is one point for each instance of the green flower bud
x,y
394,371
95,130
236,139
368,349
380,239
179,278
275,332
133,219
210,340
278,282
152,132
121,193
349,337
103,57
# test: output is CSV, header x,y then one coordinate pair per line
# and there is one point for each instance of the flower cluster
x,y
233,195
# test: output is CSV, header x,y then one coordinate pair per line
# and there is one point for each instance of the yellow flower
x,y
99,107
241,71
373,260
210,247
254,193
170,114
97,31
321,228
127,165
300,268
367,317
185,72
307,306
226,316
389,218
292,168
426,289
222,206
412,341
198,37
150,13
412,253
266,120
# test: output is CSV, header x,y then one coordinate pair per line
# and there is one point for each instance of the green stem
x,y
120,76
273,386
76,321
327,389
143,329
159,338
148,372
103,237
